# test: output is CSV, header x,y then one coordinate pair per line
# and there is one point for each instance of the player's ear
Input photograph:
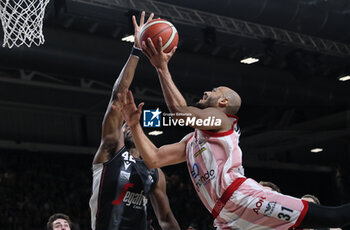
x,y
223,102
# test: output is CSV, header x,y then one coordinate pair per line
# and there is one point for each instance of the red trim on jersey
x,y
302,214
122,194
218,134
99,195
219,205
189,139
230,115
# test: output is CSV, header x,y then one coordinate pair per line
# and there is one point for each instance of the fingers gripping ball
x,y
160,28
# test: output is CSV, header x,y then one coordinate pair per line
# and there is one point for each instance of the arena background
x,y
53,97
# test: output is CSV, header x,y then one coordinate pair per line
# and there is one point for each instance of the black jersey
x,y
120,193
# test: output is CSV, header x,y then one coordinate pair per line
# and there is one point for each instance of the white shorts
x,y
252,206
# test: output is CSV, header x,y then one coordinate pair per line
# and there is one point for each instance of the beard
x,y
210,102
200,105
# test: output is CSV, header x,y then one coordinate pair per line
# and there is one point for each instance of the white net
x,y
22,22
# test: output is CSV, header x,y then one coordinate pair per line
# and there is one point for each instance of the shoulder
x,y
187,137
213,111
105,154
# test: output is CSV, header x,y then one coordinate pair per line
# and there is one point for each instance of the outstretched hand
x,y
137,27
127,106
157,57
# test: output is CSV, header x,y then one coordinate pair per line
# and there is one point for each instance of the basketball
x,y
160,28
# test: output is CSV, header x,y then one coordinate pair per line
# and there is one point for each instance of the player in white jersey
x,y
214,160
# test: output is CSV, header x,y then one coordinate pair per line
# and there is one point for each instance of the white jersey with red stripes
x,y
214,161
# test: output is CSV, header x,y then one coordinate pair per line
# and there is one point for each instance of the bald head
x,y
223,98
234,100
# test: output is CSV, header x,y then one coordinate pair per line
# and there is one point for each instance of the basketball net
x,y
22,22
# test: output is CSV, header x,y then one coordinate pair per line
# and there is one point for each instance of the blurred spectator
x,y
269,185
59,221
311,198
33,185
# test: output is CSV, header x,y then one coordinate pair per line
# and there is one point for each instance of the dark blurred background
x,y
53,98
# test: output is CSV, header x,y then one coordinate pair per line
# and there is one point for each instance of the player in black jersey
x,y
122,184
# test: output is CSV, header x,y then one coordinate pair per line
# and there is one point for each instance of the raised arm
x,y
154,157
175,101
112,136
173,98
161,207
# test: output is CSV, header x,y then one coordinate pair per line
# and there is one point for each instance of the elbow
x,y
173,109
178,109
164,225
169,224
151,161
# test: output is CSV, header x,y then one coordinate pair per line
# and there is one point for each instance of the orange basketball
x,y
160,28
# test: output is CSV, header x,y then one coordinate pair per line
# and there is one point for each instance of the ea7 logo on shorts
x,y
151,118
270,207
